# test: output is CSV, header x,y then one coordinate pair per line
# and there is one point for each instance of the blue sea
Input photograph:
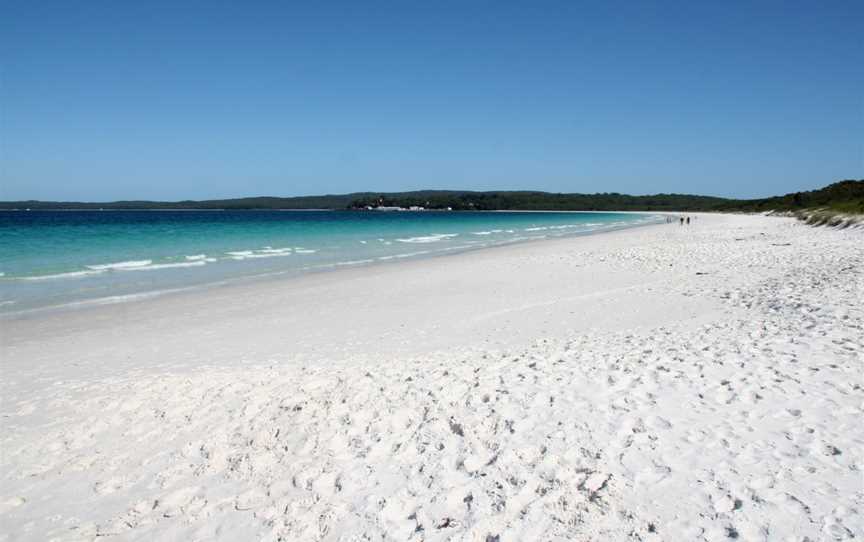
x,y
70,258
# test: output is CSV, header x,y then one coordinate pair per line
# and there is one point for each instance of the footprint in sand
x,y
109,486
176,502
10,503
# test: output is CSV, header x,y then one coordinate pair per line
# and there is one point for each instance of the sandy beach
x,y
660,383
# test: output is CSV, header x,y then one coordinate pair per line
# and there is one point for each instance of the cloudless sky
x,y
105,100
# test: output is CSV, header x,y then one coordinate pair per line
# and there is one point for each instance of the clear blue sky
x,y
104,100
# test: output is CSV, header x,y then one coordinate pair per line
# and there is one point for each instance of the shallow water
x,y
51,258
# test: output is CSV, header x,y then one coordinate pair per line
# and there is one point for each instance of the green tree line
x,y
844,196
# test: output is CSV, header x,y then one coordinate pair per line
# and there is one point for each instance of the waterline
x,y
48,260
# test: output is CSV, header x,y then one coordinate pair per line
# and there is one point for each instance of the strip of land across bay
x,y
841,197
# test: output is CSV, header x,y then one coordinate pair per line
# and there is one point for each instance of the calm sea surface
x,y
55,258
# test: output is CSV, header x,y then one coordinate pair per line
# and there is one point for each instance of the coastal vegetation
x,y
842,197
846,197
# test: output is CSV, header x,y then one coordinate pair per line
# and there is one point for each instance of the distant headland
x,y
845,197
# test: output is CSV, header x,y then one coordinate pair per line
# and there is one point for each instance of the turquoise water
x,y
52,258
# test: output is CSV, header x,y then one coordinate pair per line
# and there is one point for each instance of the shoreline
x,y
673,383
283,300
291,274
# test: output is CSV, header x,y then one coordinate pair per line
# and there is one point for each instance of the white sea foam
x,y
434,238
113,299
267,252
540,228
404,255
153,267
262,254
69,275
354,262
120,265
489,232
411,254
463,247
305,251
200,258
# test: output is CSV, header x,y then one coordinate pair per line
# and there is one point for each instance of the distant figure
x,y
688,220
681,220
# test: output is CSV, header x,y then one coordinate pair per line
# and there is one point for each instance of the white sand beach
x,y
661,383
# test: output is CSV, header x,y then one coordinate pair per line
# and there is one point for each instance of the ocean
x,y
72,258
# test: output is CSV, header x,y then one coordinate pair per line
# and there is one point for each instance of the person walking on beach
x,y
688,220
680,220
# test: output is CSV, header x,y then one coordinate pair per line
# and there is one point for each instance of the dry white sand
x,y
666,383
